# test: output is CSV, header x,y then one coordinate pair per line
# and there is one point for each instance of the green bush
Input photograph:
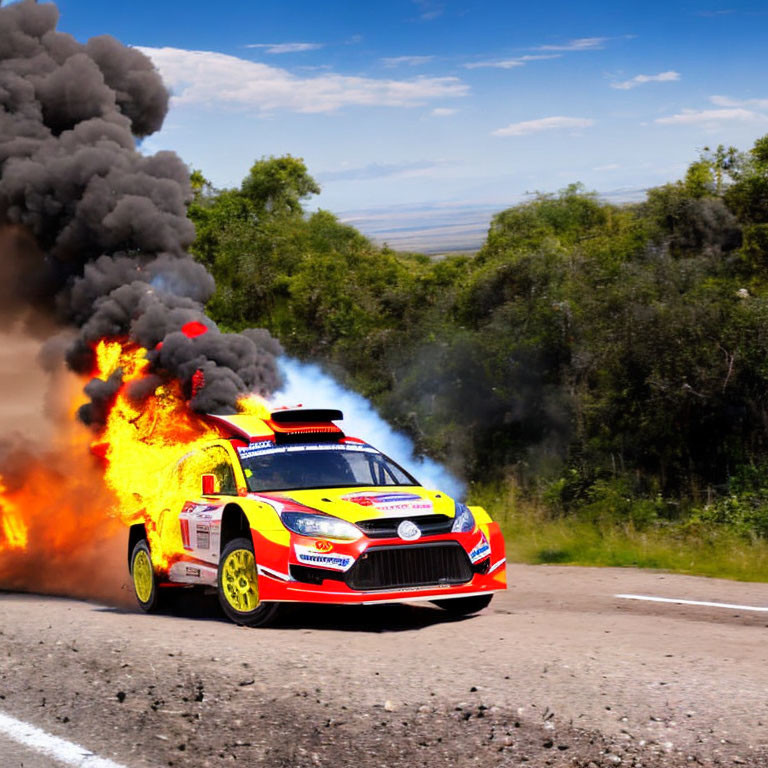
x,y
611,359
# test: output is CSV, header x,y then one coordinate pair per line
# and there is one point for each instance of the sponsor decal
x,y
482,549
323,546
268,447
254,448
391,502
408,531
203,533
311,556
200,511
189,571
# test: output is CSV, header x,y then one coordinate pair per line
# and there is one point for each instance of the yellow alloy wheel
x,y
239,581
142,576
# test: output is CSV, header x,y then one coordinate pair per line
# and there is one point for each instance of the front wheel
x,y
239,586
464,606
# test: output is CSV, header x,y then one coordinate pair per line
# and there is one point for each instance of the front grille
x,y
411,565
386,527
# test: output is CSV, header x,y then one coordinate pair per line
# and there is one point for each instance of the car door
x,y
199,520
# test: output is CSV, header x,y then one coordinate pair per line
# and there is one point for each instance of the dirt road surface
x,y
557,671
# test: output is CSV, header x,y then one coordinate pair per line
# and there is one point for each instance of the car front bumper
x,y
382,570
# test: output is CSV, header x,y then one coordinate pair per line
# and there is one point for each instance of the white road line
x,y
52,746
678,601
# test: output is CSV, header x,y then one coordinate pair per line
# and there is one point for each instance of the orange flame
x,y
59,502
140,444
58,532
13,528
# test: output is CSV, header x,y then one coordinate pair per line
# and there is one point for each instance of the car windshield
x,y
295,467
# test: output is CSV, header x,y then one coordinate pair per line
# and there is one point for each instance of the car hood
x,y
354,504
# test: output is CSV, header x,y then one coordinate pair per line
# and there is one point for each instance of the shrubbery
x,y
611,359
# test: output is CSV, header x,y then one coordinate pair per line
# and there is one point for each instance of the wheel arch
x,y
234,524
136,533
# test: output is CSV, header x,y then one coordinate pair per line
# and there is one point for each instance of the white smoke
x,y
308,385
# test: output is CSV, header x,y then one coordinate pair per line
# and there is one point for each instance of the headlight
x,y
464,521
323,526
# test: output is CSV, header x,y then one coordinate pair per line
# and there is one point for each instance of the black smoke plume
x,y
109,223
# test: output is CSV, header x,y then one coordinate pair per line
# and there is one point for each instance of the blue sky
x,y
412,102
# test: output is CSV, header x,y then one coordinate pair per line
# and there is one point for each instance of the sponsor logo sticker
x,y
482,549
323,546
311,556
391,502
203,533
255,448
268,447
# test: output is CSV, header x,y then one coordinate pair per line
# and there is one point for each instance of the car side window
x,y
186,476
220,466
210,461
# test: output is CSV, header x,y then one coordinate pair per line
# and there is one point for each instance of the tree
x,y
747,197
614,352
277,185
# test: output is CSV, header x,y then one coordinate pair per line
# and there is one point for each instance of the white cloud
x,y
443,112
382,170
518,61
725,101
286,47
499,64
543,124
662,77
694,116
429,9
579,44
539,56
411,61
553,52
209,78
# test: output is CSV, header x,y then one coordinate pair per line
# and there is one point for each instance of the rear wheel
x,y
239,586
464,606
143,577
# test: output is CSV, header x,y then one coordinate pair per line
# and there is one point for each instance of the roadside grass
x,y
534,536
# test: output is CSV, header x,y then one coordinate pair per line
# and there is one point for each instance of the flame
x,y
14,530
141,445
253,405
143,465
58,531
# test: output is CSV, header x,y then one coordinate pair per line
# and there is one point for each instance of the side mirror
x,y
209,485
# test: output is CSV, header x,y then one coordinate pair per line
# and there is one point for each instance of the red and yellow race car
x,y
286,508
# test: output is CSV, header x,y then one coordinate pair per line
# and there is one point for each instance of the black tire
x,y
148,594
237,586
464,606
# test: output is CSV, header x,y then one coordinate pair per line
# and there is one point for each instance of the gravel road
x,y
557,671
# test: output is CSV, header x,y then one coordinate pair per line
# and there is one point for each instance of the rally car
x,y
288,509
